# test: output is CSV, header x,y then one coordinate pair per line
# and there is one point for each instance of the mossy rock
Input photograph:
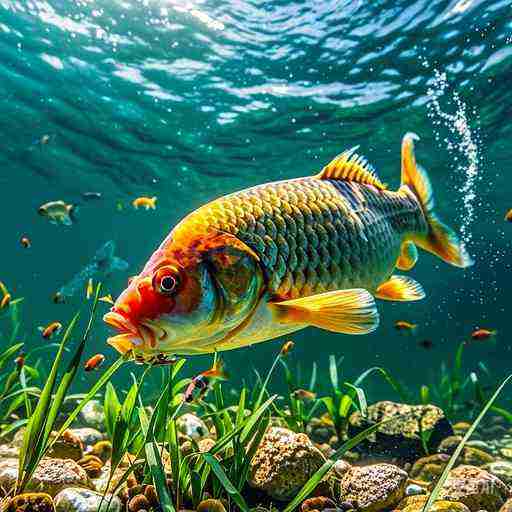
x,y
416,504
30,502
401,438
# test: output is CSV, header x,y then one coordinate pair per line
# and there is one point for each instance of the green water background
x,y
191,100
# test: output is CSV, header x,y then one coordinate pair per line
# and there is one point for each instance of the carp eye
x,y
166,280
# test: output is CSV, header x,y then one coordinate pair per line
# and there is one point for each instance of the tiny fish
x,y
58,212
94,362
119,206
25,242
402,325
6,300
91,195
508,216
278,257
58,298
89,290
426,344
45,139
483,334
304,394
287,348
202,381
107,298
149,203
20,360
51,329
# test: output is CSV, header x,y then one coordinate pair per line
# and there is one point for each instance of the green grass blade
x,y
158,476
444,475
111,408
225,481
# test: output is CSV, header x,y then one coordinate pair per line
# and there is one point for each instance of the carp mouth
x,y
142,335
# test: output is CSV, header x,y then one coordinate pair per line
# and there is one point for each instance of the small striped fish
x,y
275,258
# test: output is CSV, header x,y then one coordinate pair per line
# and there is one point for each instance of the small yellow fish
x,y
508,215
149,203
403,325
58,212
6,296
89,289
107,298
281,256
287,348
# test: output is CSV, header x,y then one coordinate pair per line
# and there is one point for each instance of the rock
x,y
449,444
138,502
89,436
317,503
506,452
102,449
283,463
416,503
429,468
67,446
373,488
211,505
401,438
475,457
481,445
92,415
205,445
341,468
507,507
9,452
475,487
461,428
414,490
75,499
51,476
320,431
501,469
192,426
30,502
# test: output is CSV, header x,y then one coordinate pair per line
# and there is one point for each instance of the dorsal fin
x,y
350,166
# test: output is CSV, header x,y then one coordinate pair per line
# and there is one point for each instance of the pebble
x,y
75,499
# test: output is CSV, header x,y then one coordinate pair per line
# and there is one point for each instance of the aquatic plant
x,y
451,462
40,424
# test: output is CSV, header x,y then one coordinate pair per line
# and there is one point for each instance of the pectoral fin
x,y
400,288
346,311
408,256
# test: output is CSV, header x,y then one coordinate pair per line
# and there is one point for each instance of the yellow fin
x,y
408,256
350,166
440,239
400,288
346,311
121,342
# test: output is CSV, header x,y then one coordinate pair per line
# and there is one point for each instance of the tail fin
x,y
440,239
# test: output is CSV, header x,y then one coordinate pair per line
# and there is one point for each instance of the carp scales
x,y
278,257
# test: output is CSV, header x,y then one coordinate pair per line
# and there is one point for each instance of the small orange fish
x,y
508,216
304,394
94,362
216,371
51,329
89,289
286,348
25,242
402,325
149,203
483,334
107,298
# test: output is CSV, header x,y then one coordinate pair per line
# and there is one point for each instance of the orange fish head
x,y
186,301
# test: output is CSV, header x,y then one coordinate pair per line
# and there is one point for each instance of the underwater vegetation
x,y
196,446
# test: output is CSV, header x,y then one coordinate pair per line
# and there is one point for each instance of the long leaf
x,y
444,475
225,481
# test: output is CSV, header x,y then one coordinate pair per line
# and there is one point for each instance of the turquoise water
x,y
190,100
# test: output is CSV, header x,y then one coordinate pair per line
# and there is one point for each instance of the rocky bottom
x,y
394,469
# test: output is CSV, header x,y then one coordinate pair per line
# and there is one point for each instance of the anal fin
x,y
346,311
408,256
400,288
